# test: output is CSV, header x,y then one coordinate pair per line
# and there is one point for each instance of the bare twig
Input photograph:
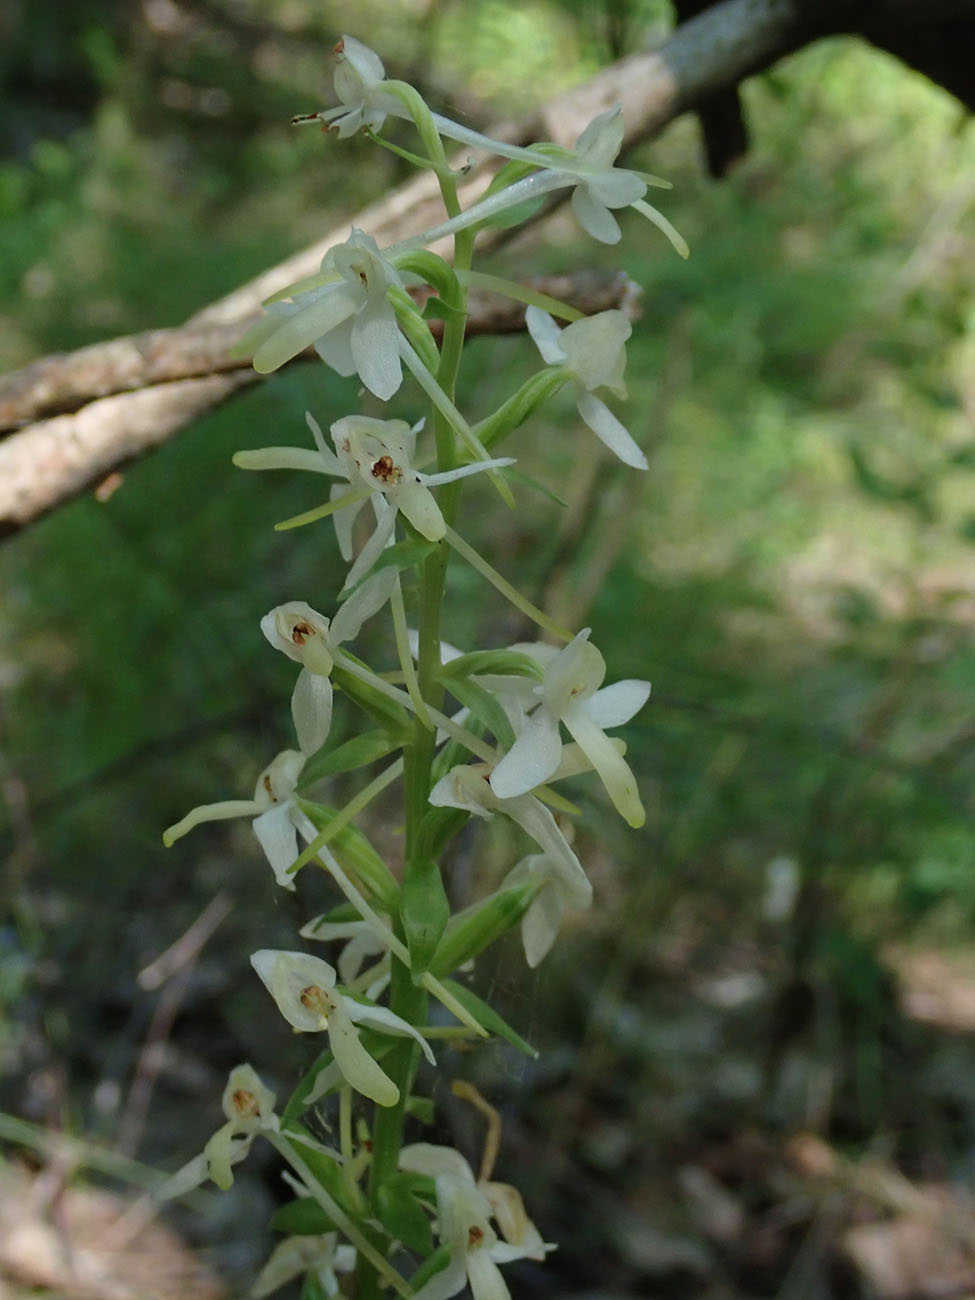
x,y
76,418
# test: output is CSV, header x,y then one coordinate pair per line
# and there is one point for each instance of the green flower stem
x,y
406,999
313,1187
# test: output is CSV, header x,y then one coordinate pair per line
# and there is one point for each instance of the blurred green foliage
x,y
794,572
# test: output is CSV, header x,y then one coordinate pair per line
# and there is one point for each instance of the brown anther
x,y
301,632
340,47
245,1104
311,997
475,1236
385,470
267,785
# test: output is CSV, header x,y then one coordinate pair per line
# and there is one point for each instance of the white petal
x,y
192,1175
602,139
377,543
387,1022
531,760
465,787
279,840
335,349
286,976
595,218
344,519
609,431
617,187
613,770
329,459
366,63
210,812
375,347
281,458
616,704
420,508
485,1276
298,631
545,333
540,926
304,325
357,1066
311,710
596,350
362,604
433,1160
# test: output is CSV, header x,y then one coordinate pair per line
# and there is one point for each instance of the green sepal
x,y
296,1104
388,713
436,309
424,911
408,554
477,927
484,706
414,327
402,1215
353,850
436,1263
501,663
536,485
312,1289
359,751
513,171
421,1109
303,1217
488,1017
253,337
339,915
438,828
520,405
328,1173
414,159
433,270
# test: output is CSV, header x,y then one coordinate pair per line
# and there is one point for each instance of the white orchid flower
x,y
249,1108
321,1256
348,318
468,786
358,81
361,944
378,455
571,694
310,639
277,818
597,185
304,989
375,459
562,885
465,1208
593,351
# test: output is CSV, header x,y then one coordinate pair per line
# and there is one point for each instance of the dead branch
x,y
78,417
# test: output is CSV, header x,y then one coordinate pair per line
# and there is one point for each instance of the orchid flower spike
x,y
358,81
593,353
345,313
249,1108
465,1208
304,989
571,694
